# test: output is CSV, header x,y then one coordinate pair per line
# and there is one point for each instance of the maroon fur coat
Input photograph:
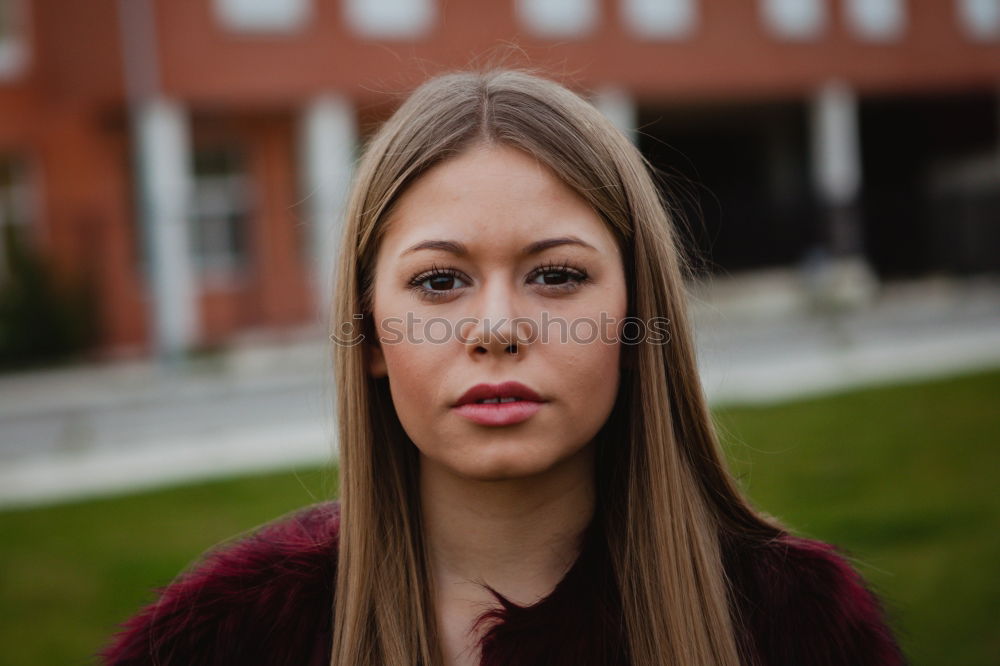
x,y
267,600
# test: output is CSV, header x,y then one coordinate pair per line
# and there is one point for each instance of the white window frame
x,y
660,19
263,16
980,19
14,48
794,20
16,205
876,20
219,200
559,19
390,19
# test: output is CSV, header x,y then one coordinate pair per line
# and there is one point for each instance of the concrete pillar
x,y
328,142
162,168
619,106
836,162
837,273
163,165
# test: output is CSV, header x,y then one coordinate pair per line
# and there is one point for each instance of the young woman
x,y
529,472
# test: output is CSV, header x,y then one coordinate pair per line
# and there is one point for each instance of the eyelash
x,y
576,276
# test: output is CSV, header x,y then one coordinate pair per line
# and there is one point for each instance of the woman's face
x,y
480,240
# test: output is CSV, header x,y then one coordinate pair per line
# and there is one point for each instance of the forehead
x,y
492,196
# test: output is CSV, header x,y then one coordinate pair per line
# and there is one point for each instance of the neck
x,y
520,535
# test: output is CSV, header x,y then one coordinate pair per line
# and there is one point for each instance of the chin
x,y
506,462
494,472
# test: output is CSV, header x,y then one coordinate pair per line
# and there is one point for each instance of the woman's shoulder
x,y
802,602
262,598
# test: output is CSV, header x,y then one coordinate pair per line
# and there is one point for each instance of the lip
x,y
499,413
509,389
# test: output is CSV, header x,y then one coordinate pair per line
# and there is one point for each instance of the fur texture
x,y
267,599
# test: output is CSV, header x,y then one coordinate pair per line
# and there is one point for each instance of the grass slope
x,y
903,478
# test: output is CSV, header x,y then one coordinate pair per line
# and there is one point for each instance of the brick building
x,y
190,157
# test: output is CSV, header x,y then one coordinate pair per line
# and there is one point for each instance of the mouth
x,y
499,413
502,404
496,401
502,393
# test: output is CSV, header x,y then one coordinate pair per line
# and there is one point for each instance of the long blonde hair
x,y
665,498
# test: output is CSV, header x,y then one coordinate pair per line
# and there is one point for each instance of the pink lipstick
x,y
499,404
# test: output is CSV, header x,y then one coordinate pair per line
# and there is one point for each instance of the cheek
x,y
584,364
418,379
413,365
412,376
593,362
590,373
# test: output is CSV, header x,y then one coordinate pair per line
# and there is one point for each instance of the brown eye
x,y
555,277
437,283
440,282
558,276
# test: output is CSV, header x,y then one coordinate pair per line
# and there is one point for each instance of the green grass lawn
x,y
900,477
904,479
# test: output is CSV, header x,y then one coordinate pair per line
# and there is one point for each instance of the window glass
x,y
15,213
13,47
221,208
263,15
980,18
558,18
390,18
876,19
660,19
794,19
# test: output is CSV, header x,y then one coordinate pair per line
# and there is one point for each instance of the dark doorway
x,y
741,175
930,199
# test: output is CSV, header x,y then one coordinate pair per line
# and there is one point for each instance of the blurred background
x,y
172,176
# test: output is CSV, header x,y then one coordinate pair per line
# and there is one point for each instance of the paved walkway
x,y
80,431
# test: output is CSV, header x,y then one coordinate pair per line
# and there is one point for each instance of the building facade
x,y
190,158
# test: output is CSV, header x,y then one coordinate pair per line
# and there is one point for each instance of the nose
x,y
494,329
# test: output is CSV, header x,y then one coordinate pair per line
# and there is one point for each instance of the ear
x,y
376,361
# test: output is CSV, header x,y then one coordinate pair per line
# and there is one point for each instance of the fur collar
x,y
266,599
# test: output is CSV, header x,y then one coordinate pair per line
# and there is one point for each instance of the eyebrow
x,y
459,249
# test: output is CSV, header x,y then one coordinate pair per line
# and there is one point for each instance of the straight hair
x,y
665,499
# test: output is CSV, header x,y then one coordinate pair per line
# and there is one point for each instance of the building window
x,y
221,211
794,19
876,20
15,208
390,19
980,18
558,18
265,16
13,46
660,19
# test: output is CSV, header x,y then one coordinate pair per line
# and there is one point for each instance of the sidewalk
x,y
97,430
910,331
